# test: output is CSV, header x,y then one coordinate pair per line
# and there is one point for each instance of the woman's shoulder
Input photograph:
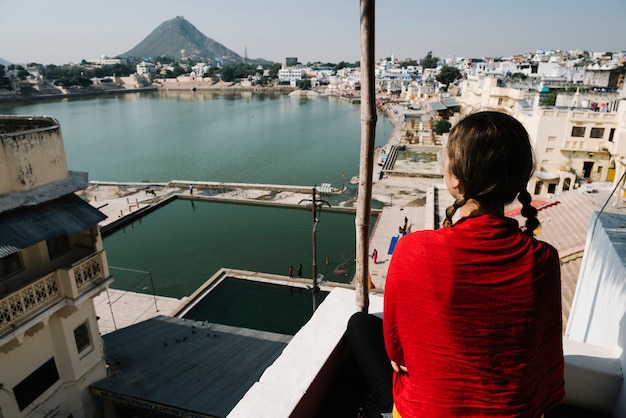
x,y
548,249
426,238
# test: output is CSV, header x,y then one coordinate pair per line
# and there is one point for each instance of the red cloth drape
x,y
474,313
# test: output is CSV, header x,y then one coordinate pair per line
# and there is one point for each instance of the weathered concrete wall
x,y
31,153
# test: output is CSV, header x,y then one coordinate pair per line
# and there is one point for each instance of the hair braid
x,y
528,211
451,210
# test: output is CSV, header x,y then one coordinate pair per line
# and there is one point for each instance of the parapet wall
x,y
31,154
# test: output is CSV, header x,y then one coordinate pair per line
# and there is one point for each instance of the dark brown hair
x,y
491,155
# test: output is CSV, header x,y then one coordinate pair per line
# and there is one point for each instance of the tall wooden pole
x,y
314,249
366,165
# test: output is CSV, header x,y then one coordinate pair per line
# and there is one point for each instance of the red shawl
x,y
474,313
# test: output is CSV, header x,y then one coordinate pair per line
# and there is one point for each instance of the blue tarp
x,y
392,244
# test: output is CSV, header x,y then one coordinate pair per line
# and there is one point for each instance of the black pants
x,y
365,335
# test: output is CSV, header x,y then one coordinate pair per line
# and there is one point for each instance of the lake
x,y
215,136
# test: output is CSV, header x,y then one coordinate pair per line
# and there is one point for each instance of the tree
x,y
408,63
5,83
448,75
442,126
304,84
273,70
341,65
548,99
429,61
228,74
22,72
178,70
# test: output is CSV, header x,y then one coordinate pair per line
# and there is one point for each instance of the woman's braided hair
x,y
491,155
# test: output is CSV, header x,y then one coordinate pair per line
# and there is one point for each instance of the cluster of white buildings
x,y
580,139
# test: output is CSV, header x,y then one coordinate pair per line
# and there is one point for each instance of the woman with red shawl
x,y
472,311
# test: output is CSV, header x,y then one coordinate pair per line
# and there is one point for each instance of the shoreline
x,y
74,94
155,87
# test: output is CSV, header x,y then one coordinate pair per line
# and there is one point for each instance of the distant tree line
x,y
66,76
232,72
81,75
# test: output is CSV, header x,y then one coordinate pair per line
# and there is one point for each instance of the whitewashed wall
x,y
598,314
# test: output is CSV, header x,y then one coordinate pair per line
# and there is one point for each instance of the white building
x,y
146,69
200,69
291,74
569,142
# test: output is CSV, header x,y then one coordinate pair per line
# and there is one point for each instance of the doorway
x,y
587,167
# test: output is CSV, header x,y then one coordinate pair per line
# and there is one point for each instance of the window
x,y
578,131
81,336
596,133
549,150
611,134
551,138
58,246
36,384
10,264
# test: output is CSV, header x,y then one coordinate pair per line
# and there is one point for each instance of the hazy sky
x,y
64,31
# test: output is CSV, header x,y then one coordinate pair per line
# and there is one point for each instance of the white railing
x,y
28,299
88,271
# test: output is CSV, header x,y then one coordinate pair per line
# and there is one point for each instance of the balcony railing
x,y
62,283
19,304
87,271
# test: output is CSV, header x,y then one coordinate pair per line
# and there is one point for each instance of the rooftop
x,y
175,365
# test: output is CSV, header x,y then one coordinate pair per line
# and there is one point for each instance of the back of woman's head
x,y
491,155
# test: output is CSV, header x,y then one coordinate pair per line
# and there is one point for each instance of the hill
x,y
174,36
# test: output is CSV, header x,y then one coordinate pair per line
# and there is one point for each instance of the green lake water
x,y
208,136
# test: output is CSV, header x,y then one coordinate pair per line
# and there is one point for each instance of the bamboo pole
x,y
366,164
314,249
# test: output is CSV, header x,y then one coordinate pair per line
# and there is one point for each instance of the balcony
x,y
39,300
586,145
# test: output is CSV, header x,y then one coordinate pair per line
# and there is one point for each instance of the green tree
x,y
342,65
227,74
22,72
408,63
442,126
111,70
178,70
273,70
548,99
429,61
69,76
520,76
5,83
448,75
304,84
